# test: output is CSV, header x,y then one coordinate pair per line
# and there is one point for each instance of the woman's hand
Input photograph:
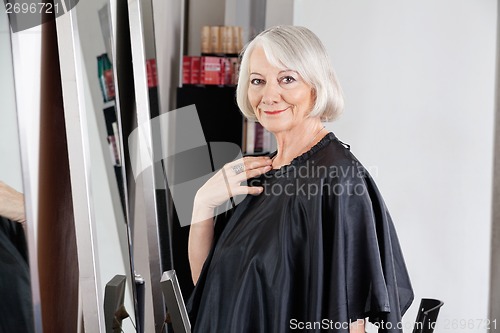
x,y
11,203
226,183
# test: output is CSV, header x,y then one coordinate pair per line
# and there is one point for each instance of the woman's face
x,y
280,98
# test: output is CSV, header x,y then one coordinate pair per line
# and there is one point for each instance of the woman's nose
x,y
271,93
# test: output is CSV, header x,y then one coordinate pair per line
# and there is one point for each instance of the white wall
x,y
168,29
418,78
202,12
253,15
279,12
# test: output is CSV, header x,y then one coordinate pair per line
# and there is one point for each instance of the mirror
x,y
157,241
16,309
105,239
96,150
95,146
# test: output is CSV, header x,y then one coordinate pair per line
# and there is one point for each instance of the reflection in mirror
x,y
16,307
103,131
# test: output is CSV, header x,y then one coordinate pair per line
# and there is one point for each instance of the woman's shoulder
x,y
330,160
336,155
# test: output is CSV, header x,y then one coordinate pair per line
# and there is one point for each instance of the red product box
x,y
151,70
225,71
110,84
210,72
234,69
186,70
195,70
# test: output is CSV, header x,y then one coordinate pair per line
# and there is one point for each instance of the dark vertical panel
x,y
126,112
58,262
221,121
219,115
124,81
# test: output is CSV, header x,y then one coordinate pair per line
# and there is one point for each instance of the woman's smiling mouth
x,y
273,112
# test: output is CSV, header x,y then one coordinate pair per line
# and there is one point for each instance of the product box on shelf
x,y
151,72
105,76
221,40
195,70
210,72
225,71
186,70
215,44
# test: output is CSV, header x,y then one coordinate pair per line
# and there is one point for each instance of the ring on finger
x,y
238,168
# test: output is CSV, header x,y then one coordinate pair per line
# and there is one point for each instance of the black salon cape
x,y
321,253
16,311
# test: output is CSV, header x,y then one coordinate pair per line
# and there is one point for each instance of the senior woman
x,y
312,246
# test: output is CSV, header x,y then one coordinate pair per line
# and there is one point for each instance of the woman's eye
x,y
256,81
288,79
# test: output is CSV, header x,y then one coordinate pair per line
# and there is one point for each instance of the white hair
x,y
298,49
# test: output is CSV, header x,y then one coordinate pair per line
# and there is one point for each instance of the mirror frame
x,y
79,160
28,196
147,179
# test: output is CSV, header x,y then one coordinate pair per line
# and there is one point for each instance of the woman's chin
x,y
274,123
274,126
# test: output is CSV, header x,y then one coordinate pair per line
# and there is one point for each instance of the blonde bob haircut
x,y
298,49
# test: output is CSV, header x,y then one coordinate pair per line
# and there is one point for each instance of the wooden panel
x,y
58,262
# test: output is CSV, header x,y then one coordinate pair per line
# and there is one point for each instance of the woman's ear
x,y
313,99
314,94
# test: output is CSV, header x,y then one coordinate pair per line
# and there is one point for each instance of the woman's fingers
x,y
253,162
257,166
252,190
253,173
240,170
247,165
227,182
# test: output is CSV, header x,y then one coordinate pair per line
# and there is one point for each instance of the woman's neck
x,y
298,140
